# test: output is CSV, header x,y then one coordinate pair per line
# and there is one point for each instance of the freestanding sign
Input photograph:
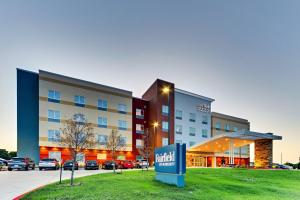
x,y
170,164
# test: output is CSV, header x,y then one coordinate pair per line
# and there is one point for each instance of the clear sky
x,y
244,54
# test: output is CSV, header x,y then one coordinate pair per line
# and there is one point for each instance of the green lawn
x,y
200,184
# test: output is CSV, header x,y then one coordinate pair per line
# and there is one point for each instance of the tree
x,y
4,154
147,150
12,154
115,143
77,134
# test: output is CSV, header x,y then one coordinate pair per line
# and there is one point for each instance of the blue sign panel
x,y
170,164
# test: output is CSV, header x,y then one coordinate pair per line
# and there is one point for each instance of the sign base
x,y
173,179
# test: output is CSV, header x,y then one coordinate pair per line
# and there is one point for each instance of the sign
x,y
170,164
101,156
203,108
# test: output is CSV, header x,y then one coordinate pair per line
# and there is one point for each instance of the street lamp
x,y
155,125
166,90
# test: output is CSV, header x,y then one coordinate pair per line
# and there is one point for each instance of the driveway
x,y
15,183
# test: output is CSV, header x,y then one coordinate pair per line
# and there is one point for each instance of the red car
x,y
127,165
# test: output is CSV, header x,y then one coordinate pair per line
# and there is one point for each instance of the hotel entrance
x,y
196,160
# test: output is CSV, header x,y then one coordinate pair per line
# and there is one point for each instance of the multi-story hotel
x,y
45,100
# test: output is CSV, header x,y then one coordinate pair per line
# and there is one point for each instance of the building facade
x,y
45,100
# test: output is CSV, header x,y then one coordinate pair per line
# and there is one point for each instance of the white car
x,y
48,163
142,163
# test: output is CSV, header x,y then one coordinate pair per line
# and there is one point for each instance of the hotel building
x,y
45,100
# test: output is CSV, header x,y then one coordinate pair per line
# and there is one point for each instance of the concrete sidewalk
x,y
15,183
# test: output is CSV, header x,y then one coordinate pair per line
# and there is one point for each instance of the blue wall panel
x,y
28,114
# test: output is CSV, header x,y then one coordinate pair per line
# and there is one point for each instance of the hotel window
x,y
192,117
192,143
227,127
102,104
178,129
165,110
165,126
218,126
204,119
178,141
235,129
102,139
178,114
102,122
122,125
79,100
122,108
54,96
53,135
204,133
139,113
139,128
53,116
123,140
139,143
80,119
165,141
192,131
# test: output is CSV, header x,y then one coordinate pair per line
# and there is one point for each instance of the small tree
x,y
147,150
77,134
114,144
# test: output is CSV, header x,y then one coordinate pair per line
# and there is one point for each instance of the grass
x,y
200,184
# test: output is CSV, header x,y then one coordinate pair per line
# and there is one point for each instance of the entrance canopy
x,y
223,142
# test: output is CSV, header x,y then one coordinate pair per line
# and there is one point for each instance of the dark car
x,y
48,163
91,164
110,165
69,164
20,164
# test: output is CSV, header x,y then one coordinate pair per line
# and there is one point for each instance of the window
x,y
218,126
204,133
192,131
122,125
165,126
102,139
53,135
54,96
178,141
102,104
192,117
204,119
178,114
235,129
227,127
165,110
122,108
192,143
165,141
139,143
123,140
139,128
79,100
53,116
102,122
178,129
139,113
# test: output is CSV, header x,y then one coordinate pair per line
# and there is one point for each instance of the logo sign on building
x,y
170,164
203,108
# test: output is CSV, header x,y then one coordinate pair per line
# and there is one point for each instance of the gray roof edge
x,y
193,94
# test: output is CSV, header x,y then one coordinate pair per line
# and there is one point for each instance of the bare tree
x,y
115,143
77,134
147,150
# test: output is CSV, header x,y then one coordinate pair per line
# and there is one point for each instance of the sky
x,y
244,54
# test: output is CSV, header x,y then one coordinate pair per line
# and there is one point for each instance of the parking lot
x,y
15,183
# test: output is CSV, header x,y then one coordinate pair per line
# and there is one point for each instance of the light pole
x,y
166,90
155,125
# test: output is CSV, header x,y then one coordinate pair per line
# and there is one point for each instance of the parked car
x,y
2,165
142,163
20,164
110,165
91,164
69,164
5,162
280,166
127,165
48,163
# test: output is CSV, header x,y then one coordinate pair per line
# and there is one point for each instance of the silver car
x,y
48,163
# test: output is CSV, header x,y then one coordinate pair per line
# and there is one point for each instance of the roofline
x,y
25,70
193,94
93,84
229,116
